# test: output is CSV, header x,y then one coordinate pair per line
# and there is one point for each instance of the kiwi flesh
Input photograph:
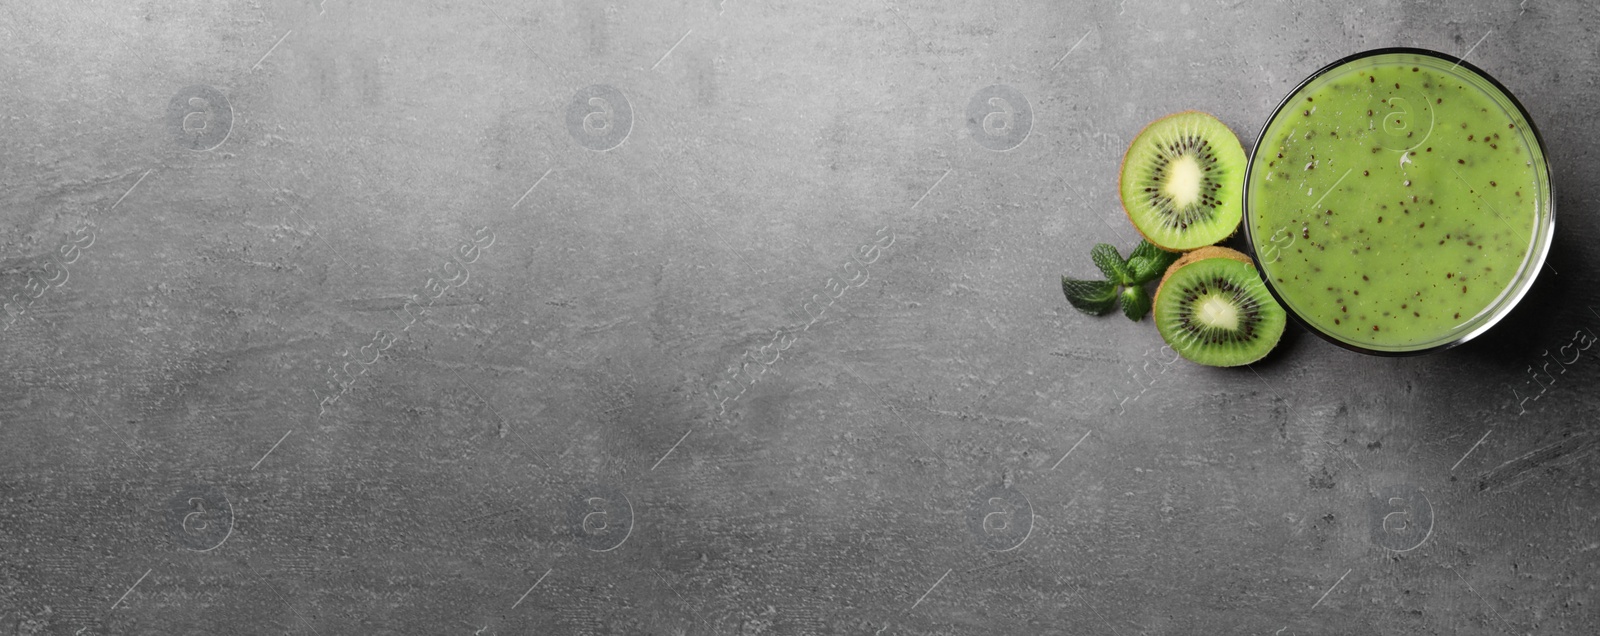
x,y
1183,181
1213,309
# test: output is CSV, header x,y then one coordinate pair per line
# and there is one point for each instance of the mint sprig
x,y
1125,280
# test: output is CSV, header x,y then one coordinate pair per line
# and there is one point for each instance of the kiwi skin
x,y
1122,172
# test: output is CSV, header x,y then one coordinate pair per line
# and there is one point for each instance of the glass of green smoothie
x,y
1399,202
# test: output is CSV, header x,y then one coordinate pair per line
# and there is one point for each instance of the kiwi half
x,y
1183,181
1213,309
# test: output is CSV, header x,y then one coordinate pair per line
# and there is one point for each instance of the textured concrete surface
x,y
729,317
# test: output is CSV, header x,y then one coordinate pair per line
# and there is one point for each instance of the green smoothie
x,y
1397,202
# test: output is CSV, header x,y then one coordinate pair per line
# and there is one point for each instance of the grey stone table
x,y
731,323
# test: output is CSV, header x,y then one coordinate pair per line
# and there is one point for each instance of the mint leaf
x,y
1145,248
1148,262
1147,268
1140,267
1111,264
1093,297
1135,302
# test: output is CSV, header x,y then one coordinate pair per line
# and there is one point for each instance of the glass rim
x,y
1539,248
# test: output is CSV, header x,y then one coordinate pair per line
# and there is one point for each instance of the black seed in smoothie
x,y
1397,84
1416,314
1458,314
1336,321
1422,225
1461,161
1439,101
1430,148
1308,113
1364,277
1371,80
1356,292
1374,327
1380,219
1364,173
1375,150
1450,275
1493,184
1469,137
1463,289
